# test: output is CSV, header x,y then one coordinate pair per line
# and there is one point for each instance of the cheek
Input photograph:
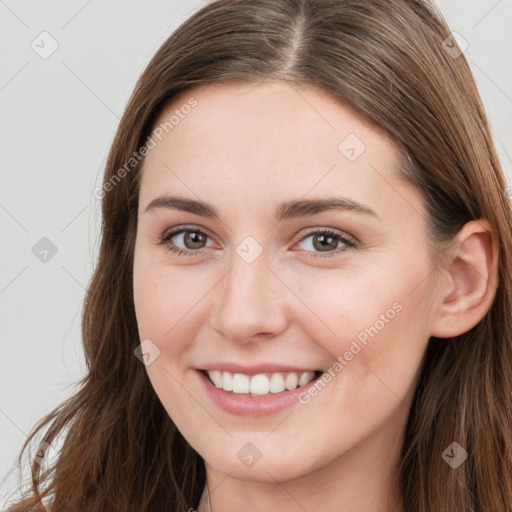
x,y
154,302
374,318
166,301
340,304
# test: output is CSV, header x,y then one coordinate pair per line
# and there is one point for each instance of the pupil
x,y
325,238
196,240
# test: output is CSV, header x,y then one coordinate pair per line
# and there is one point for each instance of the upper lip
x,y
255,368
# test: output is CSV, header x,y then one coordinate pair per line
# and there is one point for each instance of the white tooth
x,y
227,381
260,384
306,377
291,381
240,383
276,383
216,377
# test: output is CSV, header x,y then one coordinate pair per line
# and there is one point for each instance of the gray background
x,y
59,116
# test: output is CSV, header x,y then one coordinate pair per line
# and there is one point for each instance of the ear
x,y
469,283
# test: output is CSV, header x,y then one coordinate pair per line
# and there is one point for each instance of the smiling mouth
x,y
260,384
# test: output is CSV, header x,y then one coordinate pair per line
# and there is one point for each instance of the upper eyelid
x,y
338,232
180,229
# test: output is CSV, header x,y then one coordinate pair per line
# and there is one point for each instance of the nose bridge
x,y
247,300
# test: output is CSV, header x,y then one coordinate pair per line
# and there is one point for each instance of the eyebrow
x,y
287,210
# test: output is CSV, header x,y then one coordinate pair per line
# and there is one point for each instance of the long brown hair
x,y
393,62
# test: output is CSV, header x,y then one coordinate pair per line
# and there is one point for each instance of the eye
x,y
188,241
192,241
327,241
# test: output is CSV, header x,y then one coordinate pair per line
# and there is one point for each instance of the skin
x,y
244,149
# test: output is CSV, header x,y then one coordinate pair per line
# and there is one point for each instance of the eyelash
x,y
349,243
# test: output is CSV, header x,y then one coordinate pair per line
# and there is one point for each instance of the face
x,y
285,290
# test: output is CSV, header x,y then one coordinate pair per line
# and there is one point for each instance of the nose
x,y
249,302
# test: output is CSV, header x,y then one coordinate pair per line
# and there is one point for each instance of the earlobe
x,y
469,283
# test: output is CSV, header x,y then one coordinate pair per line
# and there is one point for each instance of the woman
x,y
303,294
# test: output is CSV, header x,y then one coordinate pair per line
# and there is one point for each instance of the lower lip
x,y
245,405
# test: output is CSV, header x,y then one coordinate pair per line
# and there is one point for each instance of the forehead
x,y
264,140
